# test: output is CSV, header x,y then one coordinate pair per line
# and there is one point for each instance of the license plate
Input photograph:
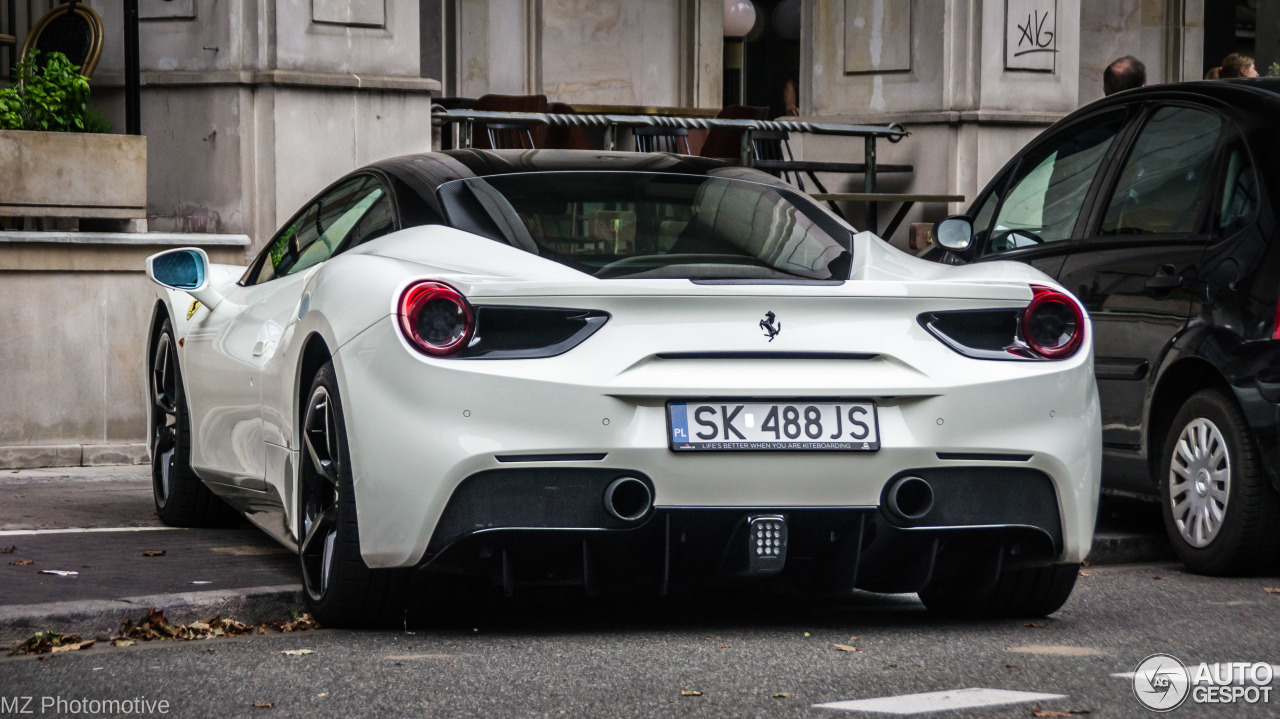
x,y
847,426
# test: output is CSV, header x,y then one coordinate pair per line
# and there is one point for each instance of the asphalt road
x,y
544,654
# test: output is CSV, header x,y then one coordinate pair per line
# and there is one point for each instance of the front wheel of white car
x,y
1220,510
1019,593
340,589
182,500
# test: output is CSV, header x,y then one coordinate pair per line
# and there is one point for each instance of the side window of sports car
x,y
1164,185
316,233
1043,198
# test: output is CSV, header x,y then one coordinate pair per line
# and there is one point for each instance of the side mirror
x,y
954,233
185,269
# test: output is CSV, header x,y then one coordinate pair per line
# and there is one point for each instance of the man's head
x,y
1124,74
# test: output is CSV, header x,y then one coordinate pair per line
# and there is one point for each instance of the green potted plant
x,y
57,157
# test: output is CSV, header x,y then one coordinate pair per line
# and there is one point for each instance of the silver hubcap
x,y
1199,482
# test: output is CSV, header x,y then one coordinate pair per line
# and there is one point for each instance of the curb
x,y
1124,548
102,618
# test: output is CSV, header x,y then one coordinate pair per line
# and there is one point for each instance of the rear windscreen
x,y
649,225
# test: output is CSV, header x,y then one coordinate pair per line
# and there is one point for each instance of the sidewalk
x,y
98,522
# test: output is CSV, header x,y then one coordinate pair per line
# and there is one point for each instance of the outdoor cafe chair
x,y
73,29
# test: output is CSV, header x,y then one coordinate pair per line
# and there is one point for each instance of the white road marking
x,y
80,530
950,700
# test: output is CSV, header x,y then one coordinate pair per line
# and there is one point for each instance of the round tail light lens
x,y
1052,325
436,319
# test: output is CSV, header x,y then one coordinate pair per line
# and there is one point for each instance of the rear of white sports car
x,y
838,415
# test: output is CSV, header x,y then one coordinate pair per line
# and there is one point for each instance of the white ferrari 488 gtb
x,y
623,370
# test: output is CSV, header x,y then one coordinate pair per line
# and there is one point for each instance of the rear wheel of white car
x,y
182,500
1220,511
341,590
1025,592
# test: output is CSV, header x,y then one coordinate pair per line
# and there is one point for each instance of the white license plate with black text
x,y
849,426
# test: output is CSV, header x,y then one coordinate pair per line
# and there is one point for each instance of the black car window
x,y
1239,198
1164,183
316,233
634,224
1042,200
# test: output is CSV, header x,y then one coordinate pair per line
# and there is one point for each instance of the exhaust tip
x,y
628,499
910,498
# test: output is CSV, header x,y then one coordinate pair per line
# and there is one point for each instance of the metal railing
x,y
610,123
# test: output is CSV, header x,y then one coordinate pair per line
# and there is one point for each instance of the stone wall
x,y
611,52
75,309
250,108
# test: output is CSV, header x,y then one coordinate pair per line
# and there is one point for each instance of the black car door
x,y
1135,266
1032,212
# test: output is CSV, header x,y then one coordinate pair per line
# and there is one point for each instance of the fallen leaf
x,y
264,705
722,646
780,695
297,652
807,634
1034,625
1038,712
21,562
1085,574
1271,590
1013,666
47,643
323,694
60,572
1085,562
154,626
853,639
117,642
690,693
9,549
73,647
845,648
889,666
153,552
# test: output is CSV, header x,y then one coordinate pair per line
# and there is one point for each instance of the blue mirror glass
x,y
182,270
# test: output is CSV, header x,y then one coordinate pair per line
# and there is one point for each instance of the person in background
x,y
1124,74
1233,65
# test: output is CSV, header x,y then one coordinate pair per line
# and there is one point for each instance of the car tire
x,y
181,499
340,590
1019,593
1215,529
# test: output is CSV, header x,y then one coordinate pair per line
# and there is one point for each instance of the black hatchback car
x,y
1157,207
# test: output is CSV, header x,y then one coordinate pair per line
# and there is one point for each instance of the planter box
x,y
73,174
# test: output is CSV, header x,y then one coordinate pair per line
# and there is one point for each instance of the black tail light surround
x,y
1051,327
438,321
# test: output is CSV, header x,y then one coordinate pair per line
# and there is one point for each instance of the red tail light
x,y
1052,325
1275,325
436,319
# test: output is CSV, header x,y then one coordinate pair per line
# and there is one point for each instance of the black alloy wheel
x,y
341,590
182,500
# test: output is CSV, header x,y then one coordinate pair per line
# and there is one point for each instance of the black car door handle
x,y
1164,279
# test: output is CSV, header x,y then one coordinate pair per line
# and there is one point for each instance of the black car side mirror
x,y
954,233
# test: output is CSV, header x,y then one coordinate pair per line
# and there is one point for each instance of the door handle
x,y
1165,278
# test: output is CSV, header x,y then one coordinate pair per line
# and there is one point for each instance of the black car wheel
x,y
182,500
341,590
1220,510
1018,593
